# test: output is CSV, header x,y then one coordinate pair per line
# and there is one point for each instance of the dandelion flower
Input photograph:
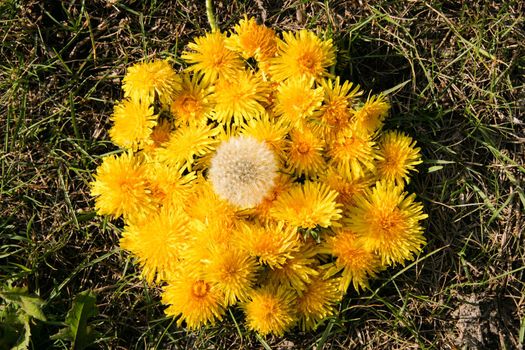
x,y
387,222
233,271
271,131
272,244
243,171
347,187
120,187
159,136
195,300
282,183
144,80
186,143
371,115
132,124
297,270
170,185
204,205
357,263
307,205
241,97
158,242
335,113
270,310
302,55
253,41
317,301
191,104
296,100
305,153
352,153
209,56
397,155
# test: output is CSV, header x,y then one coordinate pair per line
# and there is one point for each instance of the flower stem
x,y
211,16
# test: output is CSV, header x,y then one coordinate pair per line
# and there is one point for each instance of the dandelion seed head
x,y
243,171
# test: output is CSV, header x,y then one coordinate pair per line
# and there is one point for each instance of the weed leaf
x,y
77,329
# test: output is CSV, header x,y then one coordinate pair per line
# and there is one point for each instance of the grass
x,y
456,76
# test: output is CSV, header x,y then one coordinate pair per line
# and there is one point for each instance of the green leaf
x,y
31,304
77,329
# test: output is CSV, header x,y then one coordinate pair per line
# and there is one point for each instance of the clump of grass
x,y
455,77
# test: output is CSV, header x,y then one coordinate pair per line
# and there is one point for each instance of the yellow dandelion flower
x,y
170,185
243,171
304,152
352,153
233,271
207,238
302,54
132,124
387,222
204,205
317,301
144,80
209,56
158,242
271,131
370,116
282,183
298,270
191,104
195,300
253,40
270,310
272,243
307,205
357,263
397,155
239,98
335,113
186,143
296,100
159,136
347,187
120,187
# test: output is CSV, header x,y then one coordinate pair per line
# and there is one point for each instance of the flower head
x,y
397,155
265,128
370,116
132,124
195,300
302,54
297,100
210,57
144,80
387,222
307,205
335,113
158,243
317,301
270,310
191,104
243,171
241,97
253,40
120,187
305,153
352,153
233,271
358,263
185,144
272,243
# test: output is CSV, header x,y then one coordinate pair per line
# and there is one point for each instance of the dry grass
x,y
456,71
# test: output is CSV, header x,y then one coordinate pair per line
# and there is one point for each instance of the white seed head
x,y
243,171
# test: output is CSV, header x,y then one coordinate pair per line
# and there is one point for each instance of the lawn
x,y
454,72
